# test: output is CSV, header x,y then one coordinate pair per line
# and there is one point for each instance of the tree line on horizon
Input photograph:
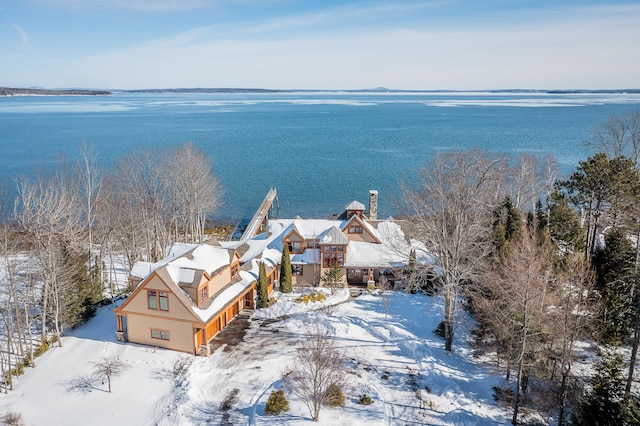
x,y
543,265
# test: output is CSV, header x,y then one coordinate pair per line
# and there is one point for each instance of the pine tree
x,y
564,223
263,290
507,227
333,277
602,405
285,271
614,267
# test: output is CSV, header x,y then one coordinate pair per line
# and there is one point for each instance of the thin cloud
x,y
23,35
133,5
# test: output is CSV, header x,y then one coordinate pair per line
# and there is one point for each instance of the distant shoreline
x,y
383,90
11,91
8,91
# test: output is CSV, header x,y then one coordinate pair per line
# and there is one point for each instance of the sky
x,y
313,44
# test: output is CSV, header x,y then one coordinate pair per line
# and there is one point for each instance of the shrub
x,y
503,394
41,348
334,397
439,330
313,297
12,419
277,403
365,399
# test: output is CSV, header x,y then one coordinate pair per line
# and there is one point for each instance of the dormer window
x,y
295,247
235,271
355,229
203,294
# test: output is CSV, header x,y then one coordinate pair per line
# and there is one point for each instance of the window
x,y
294,246
313,244
296,269
158,300
355,229
235,271
332,255
203,294
153,299
159,334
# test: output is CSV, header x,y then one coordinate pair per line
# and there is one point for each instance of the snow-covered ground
x,y
393,356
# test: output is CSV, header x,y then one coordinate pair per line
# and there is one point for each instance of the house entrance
x,y
357,276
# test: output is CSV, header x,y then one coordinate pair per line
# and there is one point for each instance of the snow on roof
x,y
333,236
307,228
178,249
355,205
310,256
205,257
362,254
228,294
186,262
254,247
143,269
186,275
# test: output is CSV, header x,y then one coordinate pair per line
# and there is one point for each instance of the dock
x,y
253,228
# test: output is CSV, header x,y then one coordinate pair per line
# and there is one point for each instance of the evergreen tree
x,y
333,277
507,227
564,223
83,292
614,269
603,404
413,262
285,271
602,185
263,289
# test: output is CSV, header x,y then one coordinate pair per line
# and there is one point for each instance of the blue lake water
x,y
321,150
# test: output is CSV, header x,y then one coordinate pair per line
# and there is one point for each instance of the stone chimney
x,y
373,204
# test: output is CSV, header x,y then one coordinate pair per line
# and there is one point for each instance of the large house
x,y
186,298
182,301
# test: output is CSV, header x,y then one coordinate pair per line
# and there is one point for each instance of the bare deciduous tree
x,y
570,319
45,210
451,210
194,191
318,367
513,304
532,179
171,195
620,135
108,367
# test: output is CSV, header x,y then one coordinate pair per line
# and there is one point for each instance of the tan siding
x,y
293,236
307,276
219,280
181,335
139,302
365,236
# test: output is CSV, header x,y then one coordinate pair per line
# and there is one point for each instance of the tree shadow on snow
x,y
82,384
